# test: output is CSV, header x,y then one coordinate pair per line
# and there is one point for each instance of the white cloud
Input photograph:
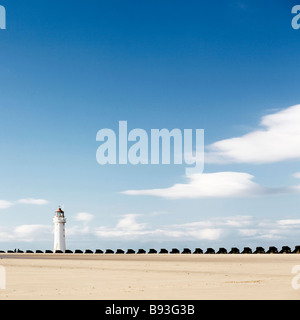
x,y
31,232
289,222
277,140
81,230
237,221
296,175
203,234
211,229
208,185
234,221
248,232
33,201
5,204
25,233
244,228
272,230
126,227
84,217
214,228
77,231
129,223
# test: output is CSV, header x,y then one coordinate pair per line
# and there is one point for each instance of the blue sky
x,y
69,69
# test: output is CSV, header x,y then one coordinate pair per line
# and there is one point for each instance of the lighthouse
x,y
59,231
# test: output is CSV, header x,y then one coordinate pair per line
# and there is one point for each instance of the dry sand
x,y
148,277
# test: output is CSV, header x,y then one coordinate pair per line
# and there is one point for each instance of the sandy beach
x,y
141,277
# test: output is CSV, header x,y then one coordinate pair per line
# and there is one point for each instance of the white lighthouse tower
x,y
59,231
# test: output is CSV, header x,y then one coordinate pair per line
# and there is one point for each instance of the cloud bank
x,y
277,139
246,229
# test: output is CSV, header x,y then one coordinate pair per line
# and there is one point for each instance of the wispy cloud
x,y
5,204
31,233
276,140
289,222
126,227
208,185
25,233
296,175
245,228
211,229
33,201
81,230
84,217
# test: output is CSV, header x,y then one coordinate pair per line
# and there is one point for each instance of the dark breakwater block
x,y
198,251
259,250
247,250
222,251
234,251
272,250
210,251
285,249
186,251
163,251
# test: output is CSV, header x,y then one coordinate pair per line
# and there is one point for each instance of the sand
x,y
149,277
